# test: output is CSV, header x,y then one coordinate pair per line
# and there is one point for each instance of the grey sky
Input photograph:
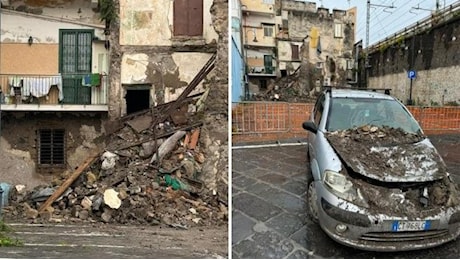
x,y
385,22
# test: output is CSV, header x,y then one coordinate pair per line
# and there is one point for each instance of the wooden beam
x,y
68,182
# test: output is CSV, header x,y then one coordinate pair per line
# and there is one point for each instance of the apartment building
x,y
258,29
65,71
282,35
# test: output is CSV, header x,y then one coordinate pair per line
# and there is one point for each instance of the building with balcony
x,y
258,28
65,74
316,40
281,37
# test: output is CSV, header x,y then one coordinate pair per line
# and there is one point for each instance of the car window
x,y
319,107
346,113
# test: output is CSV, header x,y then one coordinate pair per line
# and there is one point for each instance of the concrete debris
x,y
128,184
286,89
111,199
86,203
149,148
395,172
167,146
108,160
20,189
30,212
91,178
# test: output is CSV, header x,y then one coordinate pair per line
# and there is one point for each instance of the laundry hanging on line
x,y
91,80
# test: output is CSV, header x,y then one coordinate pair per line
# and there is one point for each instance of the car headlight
x,y
343,188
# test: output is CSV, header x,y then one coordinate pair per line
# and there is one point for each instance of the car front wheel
x,y
312,198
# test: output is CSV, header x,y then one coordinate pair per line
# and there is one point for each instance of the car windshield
x,y
347,113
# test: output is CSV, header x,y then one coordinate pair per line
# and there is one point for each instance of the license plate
x,y
410,225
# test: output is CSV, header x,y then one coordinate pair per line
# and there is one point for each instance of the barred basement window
x,y
51,146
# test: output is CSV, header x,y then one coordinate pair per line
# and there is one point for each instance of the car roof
x,y
340,93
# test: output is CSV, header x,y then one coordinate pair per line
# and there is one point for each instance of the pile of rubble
x,y
285,89
148,173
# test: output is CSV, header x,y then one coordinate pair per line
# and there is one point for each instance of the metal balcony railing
x,y
261,70
65,89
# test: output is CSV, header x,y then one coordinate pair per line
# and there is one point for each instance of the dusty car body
x,y
377,183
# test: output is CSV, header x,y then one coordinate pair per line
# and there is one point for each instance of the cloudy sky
x,y
385,21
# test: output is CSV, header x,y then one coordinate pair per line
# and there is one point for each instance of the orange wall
x,y
41,59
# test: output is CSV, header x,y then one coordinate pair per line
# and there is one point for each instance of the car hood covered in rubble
x,y
388,154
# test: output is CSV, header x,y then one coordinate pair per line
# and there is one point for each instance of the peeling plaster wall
x,y
285,55
168,74
76,10
81,129
17,27
334,50
42,57
151,23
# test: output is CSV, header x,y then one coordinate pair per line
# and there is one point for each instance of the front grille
x,y
404,236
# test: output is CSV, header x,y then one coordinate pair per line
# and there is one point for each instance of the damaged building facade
x,y
163,45
65,73
53,77
280,36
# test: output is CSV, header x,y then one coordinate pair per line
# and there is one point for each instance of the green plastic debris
x,y
174,183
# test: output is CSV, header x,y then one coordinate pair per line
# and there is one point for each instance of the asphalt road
x,y
111,241
269,208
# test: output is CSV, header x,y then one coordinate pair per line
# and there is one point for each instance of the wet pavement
x,y
115,241
269,207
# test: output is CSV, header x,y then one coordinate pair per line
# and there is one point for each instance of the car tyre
x,y
312,197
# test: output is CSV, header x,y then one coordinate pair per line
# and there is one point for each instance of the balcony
x,y
66,92
262,71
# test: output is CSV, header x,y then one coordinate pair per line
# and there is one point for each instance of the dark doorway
x,y
137,100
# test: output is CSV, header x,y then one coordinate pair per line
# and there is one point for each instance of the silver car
x,y
376,182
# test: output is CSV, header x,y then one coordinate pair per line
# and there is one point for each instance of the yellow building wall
x,y
255,62
22,59
257,5
39,59
261,39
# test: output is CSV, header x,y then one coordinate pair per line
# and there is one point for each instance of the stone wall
x,y
433,53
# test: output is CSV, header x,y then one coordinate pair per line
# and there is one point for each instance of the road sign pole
x,y
410,93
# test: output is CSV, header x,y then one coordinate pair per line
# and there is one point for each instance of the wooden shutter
x,y
188,17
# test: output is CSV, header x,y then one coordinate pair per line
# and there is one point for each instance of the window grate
x,y
51,147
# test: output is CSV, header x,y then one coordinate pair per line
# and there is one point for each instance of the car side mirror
x,y
310,126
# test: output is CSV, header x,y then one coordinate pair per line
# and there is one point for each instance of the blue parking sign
x,y
411,74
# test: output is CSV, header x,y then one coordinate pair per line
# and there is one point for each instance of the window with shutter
x,y
188,17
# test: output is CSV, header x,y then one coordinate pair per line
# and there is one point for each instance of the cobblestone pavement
x,y
269,207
